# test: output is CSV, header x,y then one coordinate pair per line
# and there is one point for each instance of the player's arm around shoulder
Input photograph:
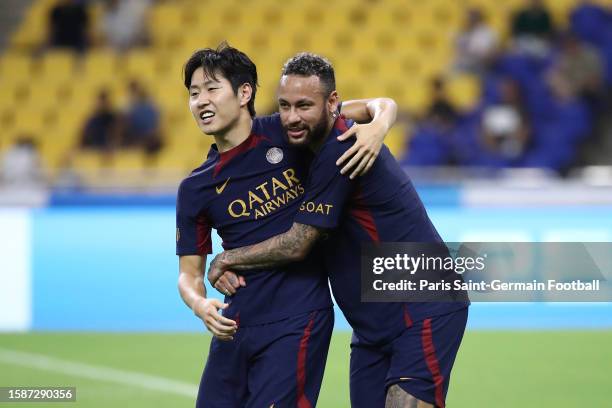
x,y
380,113
193,292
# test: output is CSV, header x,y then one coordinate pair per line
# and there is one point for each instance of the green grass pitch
x,y
493,369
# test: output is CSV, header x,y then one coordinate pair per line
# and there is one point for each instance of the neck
x,y
236,133
316,144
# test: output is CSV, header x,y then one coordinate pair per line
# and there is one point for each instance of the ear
x,y
245,93
332,102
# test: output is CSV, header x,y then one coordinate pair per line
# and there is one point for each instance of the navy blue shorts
x,y
278,364
420,361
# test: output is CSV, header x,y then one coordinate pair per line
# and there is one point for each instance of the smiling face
x,y
213,103
305,111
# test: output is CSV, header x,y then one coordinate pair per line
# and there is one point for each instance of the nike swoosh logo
x,y
220,188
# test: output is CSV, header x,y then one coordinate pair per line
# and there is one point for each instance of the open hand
x,y
363,153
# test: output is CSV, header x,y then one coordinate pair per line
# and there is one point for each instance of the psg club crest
x,y
274,155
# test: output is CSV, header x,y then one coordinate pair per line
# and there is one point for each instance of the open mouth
x,y
206,116
296,133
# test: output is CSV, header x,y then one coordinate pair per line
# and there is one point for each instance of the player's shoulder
x,y
202,174
334,147
270,127
272,120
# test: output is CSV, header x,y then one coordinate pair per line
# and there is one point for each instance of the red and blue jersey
x,y
381,206
248,194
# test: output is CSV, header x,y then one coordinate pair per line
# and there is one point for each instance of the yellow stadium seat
x,y
410,94
32,32
396,17
87,161
140,64
265,101
180,160
464,90
57,65
166,15
386,47
396,140
49,95
101,64
128,160
16,66
8,91
32,120
166,24
70,122
55,147
271,17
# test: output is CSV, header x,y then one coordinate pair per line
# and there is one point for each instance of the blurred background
x,y
505,126
93,89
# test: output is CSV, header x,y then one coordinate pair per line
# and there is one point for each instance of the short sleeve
x,y
193,229
327,190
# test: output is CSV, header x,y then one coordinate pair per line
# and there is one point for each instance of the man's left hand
x,y
364,152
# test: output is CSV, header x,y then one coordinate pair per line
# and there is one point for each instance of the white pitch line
x,y
98,373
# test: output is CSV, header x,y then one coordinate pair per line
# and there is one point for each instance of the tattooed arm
x,y
290,246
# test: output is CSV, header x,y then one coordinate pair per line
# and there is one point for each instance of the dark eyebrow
x,y
211,81
205,84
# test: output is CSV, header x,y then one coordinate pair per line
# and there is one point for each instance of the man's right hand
x,y
221,327
229,283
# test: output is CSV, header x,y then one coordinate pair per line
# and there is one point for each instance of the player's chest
x,y
256,185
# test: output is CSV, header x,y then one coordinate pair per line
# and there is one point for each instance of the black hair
x,y
308,64
233,64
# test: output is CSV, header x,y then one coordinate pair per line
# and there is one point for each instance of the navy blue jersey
x,y
381,206
248,194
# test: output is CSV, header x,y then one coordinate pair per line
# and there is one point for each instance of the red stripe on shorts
x,y
407,319
302,401
432,362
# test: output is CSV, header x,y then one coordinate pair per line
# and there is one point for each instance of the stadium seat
x,y
99,64
16,66
89,161
464,91
57,65
385,47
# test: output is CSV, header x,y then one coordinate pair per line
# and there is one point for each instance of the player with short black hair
x,y
271,342
402,353
308,64
233,64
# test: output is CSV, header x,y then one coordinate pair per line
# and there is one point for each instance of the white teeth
x,y
206,115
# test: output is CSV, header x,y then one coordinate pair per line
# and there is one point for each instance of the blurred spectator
x,y
441,112
101,131
578,71
141,121
476,45
21,163
430,144
124,23
592,23
505,124
532,28
69,25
